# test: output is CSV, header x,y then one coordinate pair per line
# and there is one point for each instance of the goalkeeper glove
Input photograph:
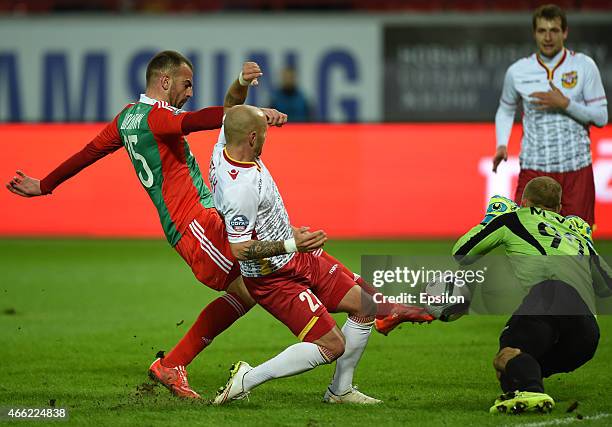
x,y
498,205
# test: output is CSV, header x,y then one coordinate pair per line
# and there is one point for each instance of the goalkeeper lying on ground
x,y
554,329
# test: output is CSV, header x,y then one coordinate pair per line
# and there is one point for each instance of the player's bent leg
x,y
499,363
212,264
238,288
503,356
294,360
332,344
523,342
519,371
388,315
294,304
216,317
520,377
341,389
577,344
356,302
369,289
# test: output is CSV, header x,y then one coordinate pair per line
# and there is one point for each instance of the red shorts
x,y
329,258
302,293
578,196
204,246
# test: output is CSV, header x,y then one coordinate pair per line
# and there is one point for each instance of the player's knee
x,y
336,348
364,306
503,357
239,288
331,344
332,347
368,306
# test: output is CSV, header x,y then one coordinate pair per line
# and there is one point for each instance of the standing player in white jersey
x,y
562,95
294,285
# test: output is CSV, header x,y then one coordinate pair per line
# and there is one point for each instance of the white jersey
x,y
246,196
552,140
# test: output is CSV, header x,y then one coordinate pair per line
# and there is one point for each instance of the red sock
x,y
383,308
214,319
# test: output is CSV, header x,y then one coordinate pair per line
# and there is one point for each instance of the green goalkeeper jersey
x,y
541,245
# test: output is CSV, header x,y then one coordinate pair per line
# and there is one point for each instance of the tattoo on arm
x,y
260,249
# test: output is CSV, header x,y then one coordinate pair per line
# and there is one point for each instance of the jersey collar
x,y
144,99
240,164
550,72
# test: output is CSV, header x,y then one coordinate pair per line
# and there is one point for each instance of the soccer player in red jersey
x,y
152,130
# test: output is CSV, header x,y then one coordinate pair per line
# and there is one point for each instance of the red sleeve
x,y
107,141
166,122
205,119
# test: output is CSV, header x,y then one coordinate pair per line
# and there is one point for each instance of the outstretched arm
x,y
478,241
107,141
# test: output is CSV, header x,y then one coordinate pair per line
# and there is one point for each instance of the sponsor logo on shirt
x,y
239,223
569,80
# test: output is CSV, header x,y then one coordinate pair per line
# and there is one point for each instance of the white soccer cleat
x,y
233,389
352,395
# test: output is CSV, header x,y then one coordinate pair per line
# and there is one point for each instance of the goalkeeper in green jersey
x,y
554,329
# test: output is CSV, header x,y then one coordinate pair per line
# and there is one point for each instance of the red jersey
x,y
153,134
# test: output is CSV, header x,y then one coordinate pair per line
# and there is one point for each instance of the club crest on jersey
x,y
233,173
239,223
569,80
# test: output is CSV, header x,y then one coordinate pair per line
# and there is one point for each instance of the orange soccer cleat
x,y
399,314
174,379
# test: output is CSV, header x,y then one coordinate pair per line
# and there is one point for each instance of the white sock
x,y
356,335
293,360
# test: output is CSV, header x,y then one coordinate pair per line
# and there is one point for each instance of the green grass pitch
x,y
81,320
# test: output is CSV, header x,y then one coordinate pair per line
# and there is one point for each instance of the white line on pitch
x,y
563,421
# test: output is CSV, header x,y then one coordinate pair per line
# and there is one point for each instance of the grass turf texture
x,y
81,320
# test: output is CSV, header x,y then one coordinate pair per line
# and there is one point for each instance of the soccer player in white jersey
x,y
280,272
562,95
